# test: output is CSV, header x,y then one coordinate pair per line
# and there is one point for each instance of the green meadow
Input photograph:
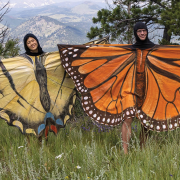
x,y
83,151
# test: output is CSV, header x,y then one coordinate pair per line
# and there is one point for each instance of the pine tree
x,y
119,21
8,47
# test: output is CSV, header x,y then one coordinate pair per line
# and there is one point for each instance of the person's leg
x,y
126,134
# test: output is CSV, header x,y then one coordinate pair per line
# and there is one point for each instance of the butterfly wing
x,y
20,92
60,88
161,107
105,77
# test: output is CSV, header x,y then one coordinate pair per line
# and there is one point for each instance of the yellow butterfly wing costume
x,y
35,93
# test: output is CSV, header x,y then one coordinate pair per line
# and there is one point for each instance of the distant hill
x,y
66,22
50,32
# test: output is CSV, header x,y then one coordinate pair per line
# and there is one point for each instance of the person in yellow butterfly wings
x,y
118,82
36,93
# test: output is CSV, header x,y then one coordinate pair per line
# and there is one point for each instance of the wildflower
x,y
66,177
171,175
78,167
20,147
59,157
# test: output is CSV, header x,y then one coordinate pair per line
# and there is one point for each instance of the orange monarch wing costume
x,y
118,82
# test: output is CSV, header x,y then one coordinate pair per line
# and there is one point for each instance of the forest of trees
x,y
119,19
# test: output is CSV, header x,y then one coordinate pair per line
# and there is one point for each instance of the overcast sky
x,y
12,1
56,1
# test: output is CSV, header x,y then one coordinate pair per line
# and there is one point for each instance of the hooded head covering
x,y
142,44
28,52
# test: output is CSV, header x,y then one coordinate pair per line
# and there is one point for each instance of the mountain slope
x,y
50,32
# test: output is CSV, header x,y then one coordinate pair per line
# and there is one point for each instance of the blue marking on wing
x,y
41,128
59,122
49,115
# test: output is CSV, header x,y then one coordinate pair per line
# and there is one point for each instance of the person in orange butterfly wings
x,y
118,82
142,42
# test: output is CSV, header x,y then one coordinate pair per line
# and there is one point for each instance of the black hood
x,y
28,52
145,44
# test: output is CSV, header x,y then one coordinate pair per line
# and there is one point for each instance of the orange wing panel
x,y
100,91
160,111
104,72
80,62
167,52
127,88
177,100
105,52
171,111
103,103
112,108
89,67
167,86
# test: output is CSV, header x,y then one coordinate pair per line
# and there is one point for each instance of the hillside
x,y
63,22
50,32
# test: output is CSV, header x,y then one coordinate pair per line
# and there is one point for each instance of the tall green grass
x,y
83,151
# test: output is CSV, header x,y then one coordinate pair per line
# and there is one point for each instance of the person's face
x,y
32,44
142,33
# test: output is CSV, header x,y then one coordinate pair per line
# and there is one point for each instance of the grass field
x,y
84,151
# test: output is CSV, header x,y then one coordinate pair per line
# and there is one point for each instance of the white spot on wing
x,y
64,51
86,97
164,126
